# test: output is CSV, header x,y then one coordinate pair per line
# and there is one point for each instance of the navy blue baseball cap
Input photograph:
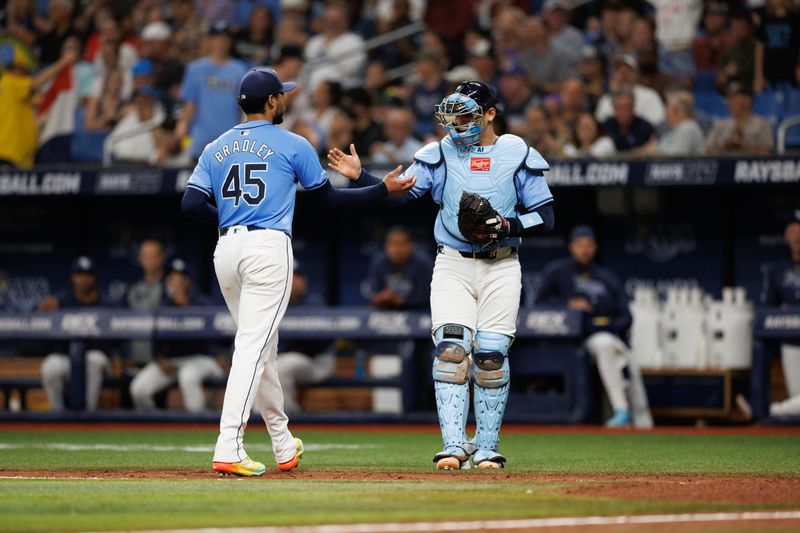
x,y
179,266
261,82
83,264
219,27
581,231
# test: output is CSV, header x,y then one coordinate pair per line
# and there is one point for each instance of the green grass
x,y
613,453
69,504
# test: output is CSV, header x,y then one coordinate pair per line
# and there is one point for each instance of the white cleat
x,y
449,463
488,460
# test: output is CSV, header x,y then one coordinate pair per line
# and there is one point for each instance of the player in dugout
x,y
782,288
579,283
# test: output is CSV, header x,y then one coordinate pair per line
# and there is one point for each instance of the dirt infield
x,y
735,489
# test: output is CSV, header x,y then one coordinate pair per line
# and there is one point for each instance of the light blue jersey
x,y
252,170
213,89
507,173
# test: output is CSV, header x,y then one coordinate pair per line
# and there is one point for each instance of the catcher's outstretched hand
x,y
348,165
396,185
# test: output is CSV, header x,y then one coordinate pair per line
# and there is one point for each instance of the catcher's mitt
x,y
478,222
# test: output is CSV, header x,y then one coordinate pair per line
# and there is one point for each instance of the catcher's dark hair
x,y
252,106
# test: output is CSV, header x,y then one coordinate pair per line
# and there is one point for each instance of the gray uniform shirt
x,y
143,295
548,67
684,139
755,132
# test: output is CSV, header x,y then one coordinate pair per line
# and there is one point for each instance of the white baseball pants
x,y
298,369
610,353
254,270
55,376
189,372
790,357
481,294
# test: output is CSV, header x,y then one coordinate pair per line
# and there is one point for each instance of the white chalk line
x,y
530,523
69,447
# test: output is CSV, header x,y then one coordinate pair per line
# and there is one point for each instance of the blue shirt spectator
x,y
400,278
426,94
244,8
209,90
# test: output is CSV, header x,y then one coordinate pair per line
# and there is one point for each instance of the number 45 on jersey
x,y
232,187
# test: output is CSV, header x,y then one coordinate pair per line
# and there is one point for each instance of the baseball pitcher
x,y
251,173
491,192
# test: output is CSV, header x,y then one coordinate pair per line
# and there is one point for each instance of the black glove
x,y
478,221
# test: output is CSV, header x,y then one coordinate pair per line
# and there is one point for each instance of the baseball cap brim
x,y
289,86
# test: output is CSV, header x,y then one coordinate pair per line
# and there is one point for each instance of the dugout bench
x,y
772,327
548,343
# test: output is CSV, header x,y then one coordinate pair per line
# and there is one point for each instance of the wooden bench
x,y
691,393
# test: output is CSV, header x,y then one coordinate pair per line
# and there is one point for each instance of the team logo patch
x,y
480,164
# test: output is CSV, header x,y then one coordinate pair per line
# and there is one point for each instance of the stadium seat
x,y
791,140
770,104
710,104
87,146
791,103
705,81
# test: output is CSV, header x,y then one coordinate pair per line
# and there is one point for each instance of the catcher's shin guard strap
x,y
449,372
452,403
491,364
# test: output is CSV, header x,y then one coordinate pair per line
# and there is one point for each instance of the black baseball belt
x,y
487,254
224,231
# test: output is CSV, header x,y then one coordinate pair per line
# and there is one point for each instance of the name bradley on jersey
x,y
246,145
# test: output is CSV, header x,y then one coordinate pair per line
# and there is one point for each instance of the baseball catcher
x,y
491,192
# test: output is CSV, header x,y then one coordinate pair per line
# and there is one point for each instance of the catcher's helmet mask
x,y
461,114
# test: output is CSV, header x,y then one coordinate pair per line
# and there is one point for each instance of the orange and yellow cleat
x,y
246,468
294,461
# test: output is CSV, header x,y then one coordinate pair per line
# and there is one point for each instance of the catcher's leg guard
x,y
451,383
491,375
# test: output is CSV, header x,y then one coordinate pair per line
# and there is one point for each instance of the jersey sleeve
x,y
532,189
201,175
424,174
307,168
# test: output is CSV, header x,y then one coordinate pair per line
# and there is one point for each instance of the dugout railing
x,y
548,343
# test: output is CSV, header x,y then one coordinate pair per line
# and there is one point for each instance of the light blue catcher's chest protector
x,y
485,170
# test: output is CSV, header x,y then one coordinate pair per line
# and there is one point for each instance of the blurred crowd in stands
x,y
150,81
